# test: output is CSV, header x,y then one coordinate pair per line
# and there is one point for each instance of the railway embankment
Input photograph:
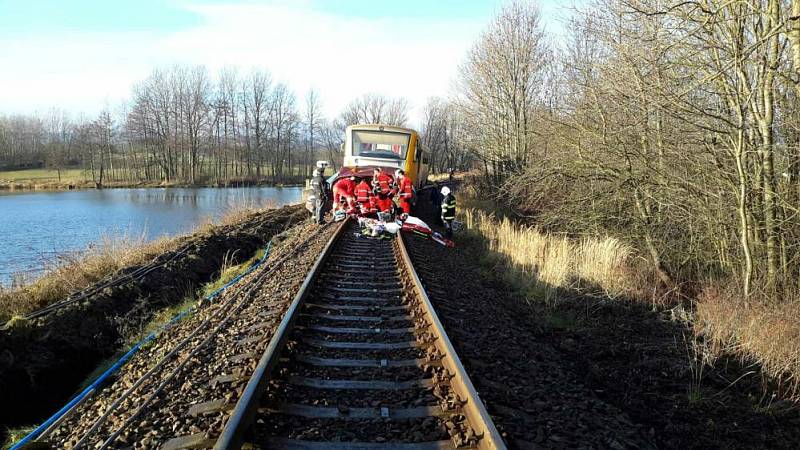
x,y
45,356
200,363
560,367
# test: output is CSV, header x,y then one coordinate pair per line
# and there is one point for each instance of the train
x,y
389,147
392,148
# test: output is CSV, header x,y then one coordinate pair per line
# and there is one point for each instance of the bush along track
x,y
43,360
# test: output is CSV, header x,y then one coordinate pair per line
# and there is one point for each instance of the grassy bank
x,y
77,271
547,263
546,266
161,319
759,330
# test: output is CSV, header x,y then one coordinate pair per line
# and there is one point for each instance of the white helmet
x,y
316,173
445,190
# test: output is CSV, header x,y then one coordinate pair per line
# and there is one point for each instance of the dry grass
x,y
39,175
16,434
243,210
76,271
547,263
760,330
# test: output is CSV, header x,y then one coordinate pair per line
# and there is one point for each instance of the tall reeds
x,y
548,263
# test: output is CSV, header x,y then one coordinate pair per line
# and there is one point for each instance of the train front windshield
x,y
380,144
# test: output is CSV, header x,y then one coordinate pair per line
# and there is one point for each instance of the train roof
x,y
381,127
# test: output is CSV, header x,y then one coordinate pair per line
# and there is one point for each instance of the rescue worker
x,y
371,207
352,206
363,195
384,205
436,201
321,189
448,211
405,191
381,181
343,192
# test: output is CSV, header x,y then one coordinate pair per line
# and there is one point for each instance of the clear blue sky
x,y
82,55
23,17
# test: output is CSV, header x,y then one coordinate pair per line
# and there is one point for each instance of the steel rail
x,y
244,413
476,413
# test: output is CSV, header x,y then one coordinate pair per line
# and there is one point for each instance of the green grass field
x,y
49,178
41,175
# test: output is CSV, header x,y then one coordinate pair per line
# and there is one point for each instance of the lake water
x,y
36,227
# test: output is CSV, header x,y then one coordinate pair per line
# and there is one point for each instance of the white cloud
x,y
341,57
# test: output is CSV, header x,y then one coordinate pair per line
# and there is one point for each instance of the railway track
x,y
360,361
357,359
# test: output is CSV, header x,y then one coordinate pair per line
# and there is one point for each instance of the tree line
x,y
675,125
184,126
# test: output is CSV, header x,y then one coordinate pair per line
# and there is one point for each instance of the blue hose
x,y
120,362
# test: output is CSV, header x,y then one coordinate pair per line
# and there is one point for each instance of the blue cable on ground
x,y
121,361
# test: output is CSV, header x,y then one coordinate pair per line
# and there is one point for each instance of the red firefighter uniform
x,y
369,207
406,194
383,181
384,204
363,193
352,206
343,188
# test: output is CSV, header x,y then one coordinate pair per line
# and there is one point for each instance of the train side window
x,y
417,152
424,157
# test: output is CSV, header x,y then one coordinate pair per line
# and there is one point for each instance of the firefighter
x,y
343,192
436,201
363,193
448,211
352,206
371,207
381,181
321,189
384,204
405,190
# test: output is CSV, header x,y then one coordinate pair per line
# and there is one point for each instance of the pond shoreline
x,y
46,227
26,186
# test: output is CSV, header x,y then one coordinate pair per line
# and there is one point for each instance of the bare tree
x,y
332,138
375,108
312,124
500,86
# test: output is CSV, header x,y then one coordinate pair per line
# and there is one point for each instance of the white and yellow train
x,y
388,147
